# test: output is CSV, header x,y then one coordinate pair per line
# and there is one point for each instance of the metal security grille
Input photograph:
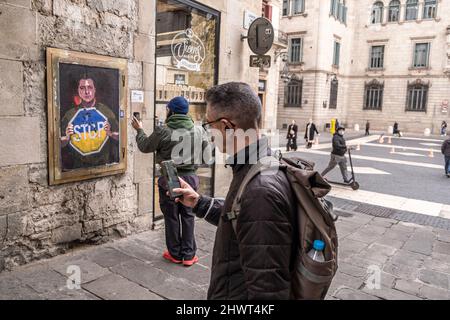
x,y
377,57
293,94
296,50
394,11
334,93
421,55
429,9
417,98
374,97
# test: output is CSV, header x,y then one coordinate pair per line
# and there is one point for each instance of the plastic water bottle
x,y
316,253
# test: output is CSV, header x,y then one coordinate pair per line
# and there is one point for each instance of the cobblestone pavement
x,y
413,262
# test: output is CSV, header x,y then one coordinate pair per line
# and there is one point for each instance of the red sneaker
x,y
168,256
188,263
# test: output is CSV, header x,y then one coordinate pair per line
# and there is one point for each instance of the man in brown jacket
x,y
256,261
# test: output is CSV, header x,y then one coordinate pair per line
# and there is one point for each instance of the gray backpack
x,y
314,221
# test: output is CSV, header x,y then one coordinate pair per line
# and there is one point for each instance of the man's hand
x,y
136,124
108,129
69,132
190,197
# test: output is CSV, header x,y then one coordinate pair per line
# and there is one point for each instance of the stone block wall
x,y
38,220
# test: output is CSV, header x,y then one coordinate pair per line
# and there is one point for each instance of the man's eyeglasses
x,y
207,125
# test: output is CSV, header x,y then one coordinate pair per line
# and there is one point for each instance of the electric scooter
x,y
352,181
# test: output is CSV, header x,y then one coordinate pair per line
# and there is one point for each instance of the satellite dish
x,y
260,36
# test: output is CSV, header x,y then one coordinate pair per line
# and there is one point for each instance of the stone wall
x,y
38,220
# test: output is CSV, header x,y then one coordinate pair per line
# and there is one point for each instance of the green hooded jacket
x,y
163,141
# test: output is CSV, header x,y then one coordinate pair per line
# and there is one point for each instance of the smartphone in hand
x,y
137,115
169,171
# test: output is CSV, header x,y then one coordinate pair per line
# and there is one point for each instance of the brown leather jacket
x,y
257,263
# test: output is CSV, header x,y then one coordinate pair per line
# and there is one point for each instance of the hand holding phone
x,y
169,171
137,115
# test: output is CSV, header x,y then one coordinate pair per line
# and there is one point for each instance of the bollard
x,y
393,150
389,139
431,155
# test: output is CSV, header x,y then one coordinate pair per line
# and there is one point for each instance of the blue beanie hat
x,y
179,105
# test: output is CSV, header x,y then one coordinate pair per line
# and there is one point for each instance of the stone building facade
x,y
391,63
38,220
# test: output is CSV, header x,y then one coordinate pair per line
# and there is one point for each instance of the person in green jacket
x,y
165,142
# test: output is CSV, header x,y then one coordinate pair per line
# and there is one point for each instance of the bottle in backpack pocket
x,y
316,253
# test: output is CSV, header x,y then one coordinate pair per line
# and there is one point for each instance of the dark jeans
x,y
367,132
291,144
179,221
447,164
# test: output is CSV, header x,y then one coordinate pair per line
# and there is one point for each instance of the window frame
x,y
371,57
296,101
300,51
410,4
426,5
288,11
334,91
370,89
302,5
391,6
412,96
379,6
428,54
336,54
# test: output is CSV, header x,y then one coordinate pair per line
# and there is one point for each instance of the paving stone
x,y
352,270
108,257
89,269
443,235
437,265
382,222
432,293
69,294
408,258
442,247
352,245
367,235
435,278
422,246
11,288
351,294
386,279
177,289
142,273
342,279
390,294
43,280
134,249
115,287
396,235
197,274
401,271
393,243
408,286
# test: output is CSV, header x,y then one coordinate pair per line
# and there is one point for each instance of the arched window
x,y
417,96
293,93
373,95
411,9
377,12
429,9
394,11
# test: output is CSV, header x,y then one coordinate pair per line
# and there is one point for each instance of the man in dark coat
x,y
367,128
338,154
310,132
292,137
396,131
446,152
255,262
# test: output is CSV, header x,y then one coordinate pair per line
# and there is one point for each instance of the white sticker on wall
x,y
137,96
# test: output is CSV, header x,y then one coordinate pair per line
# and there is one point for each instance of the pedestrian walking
x,y
338,154
446,152
254,261
292,137
396,131
367,128
444,128
310,132
179,219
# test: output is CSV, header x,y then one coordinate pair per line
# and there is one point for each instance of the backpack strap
x,y
264,163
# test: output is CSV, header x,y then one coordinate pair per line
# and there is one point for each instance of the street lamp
x,y
286,76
